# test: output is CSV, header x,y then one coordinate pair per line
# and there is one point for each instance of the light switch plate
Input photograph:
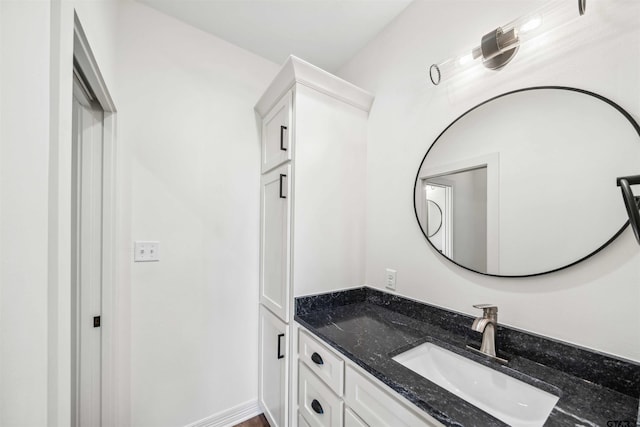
x,y
390,280
146,251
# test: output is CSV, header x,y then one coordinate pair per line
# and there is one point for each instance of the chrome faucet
x,y
487,325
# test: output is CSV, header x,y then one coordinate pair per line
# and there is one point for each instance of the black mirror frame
x,y
634,218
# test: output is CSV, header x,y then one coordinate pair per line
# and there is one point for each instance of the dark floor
x,y
259,421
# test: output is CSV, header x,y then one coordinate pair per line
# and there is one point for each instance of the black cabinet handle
x,y
282,129
280,356
317,407
283,195
317,359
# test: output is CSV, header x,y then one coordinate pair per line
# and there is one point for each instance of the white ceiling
x,y
326,33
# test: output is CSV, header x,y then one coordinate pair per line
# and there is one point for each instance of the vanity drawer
x,y
352,420
318,405
376,407
322,361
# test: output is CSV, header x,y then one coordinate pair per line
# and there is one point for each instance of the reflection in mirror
x,y
465,235
517,177
434,217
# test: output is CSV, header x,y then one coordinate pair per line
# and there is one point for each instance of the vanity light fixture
x,y
499,46
631,202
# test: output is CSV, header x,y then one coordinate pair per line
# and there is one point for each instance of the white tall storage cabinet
x,y
313,165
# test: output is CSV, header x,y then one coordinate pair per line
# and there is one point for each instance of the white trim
x,y
88,66
230,417
109,311
295,70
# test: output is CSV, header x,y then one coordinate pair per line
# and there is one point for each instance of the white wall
x,y
469,226
187,124
593,304
24,134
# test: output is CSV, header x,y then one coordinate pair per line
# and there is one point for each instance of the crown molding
x,y
296,71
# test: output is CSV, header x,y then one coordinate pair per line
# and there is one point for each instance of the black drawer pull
x,y
283,195
317,359
317,407
280,356
282,129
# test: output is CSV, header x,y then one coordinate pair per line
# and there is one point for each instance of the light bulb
x,y
531,24
466,59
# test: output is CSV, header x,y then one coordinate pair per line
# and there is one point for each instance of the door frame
x,y
447,216
492,162
88,66
70,44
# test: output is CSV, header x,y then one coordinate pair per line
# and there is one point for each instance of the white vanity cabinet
x,y
274,368
317,403
365,402
312,218
376,406
352,420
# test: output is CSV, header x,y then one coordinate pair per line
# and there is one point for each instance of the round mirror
x,y
525,183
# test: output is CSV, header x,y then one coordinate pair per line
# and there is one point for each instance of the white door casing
x,y
87,244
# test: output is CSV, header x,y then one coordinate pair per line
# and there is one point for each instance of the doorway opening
x,y
87,245
92,308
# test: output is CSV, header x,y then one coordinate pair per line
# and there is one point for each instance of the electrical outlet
x,y
391,279
146,251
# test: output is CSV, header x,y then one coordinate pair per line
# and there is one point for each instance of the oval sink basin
x,y
508,399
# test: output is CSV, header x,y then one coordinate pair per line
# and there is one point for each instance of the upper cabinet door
x,y
275,248
277,134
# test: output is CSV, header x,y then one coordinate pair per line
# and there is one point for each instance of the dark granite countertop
x,y
369,327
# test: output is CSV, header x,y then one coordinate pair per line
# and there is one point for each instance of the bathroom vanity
x,y
358,333
362,357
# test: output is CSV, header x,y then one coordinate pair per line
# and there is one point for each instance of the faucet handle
x,y
487,309
484,306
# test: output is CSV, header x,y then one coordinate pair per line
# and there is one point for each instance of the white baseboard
x,y
230,417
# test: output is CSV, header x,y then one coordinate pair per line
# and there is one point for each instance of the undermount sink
x,y
508,399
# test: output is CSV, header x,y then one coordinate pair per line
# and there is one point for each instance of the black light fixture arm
x,y
631,202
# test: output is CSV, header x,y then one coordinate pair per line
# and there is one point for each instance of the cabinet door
x,y
275,250
376,407
276,134
273,375
302,422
